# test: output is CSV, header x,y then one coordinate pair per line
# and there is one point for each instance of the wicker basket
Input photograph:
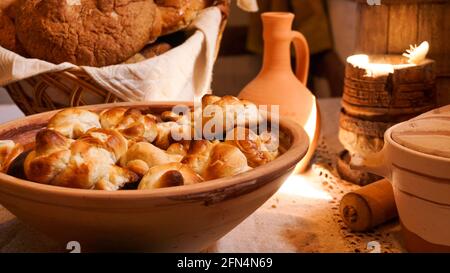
x,y
32,95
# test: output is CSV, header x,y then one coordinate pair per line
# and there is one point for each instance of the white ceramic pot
x,y
421,184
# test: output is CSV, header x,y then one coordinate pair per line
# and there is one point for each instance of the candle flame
x,y
374,69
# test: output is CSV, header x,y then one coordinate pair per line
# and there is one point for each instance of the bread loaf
x,y
7,26
178,14
7,32
87,32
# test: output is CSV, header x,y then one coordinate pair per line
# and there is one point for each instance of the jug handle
x,y
301,56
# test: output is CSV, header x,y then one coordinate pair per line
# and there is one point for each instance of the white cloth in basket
x,y
183,73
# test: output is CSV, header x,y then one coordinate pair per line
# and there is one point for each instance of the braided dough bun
x,y
133,125
228,111
73,122
253,146
213,160
86,163
87,32
142,156
169,175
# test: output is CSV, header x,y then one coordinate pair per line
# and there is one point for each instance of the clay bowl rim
x,y
288,160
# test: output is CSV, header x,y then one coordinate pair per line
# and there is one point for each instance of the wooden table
x,y
301,217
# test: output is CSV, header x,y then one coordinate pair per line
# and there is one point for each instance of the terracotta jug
x,y
276,84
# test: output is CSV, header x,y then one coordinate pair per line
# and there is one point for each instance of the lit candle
x,y
416,55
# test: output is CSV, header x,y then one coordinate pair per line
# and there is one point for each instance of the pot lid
x,y
428,133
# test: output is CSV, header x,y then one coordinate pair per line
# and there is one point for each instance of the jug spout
x,y
375,163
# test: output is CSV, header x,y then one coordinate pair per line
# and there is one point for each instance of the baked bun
x,y
170,132
256,149
49,159
86,163
122,146
73,122
8,152
169,175
225,160
109,140
198,155
238,112
131,123
178,14
213,160
142,156
179,148
87,32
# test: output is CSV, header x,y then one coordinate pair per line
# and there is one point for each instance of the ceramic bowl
x,y
178,219
421,184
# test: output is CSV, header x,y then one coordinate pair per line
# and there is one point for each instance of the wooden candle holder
x,y
380,91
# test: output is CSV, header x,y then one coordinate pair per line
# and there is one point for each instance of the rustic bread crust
x,y
87,32
178,14
7,32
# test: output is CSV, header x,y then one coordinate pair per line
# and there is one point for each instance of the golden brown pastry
x,y
142,156
198,155
131,123
180,148
50,158
213,160
86,163
169,116
225,160
253,146
169,175
164,136
178,14
170,132
227,111
8,152
87,32
73,122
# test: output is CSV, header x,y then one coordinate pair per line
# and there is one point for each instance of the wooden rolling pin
x,y
368,206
